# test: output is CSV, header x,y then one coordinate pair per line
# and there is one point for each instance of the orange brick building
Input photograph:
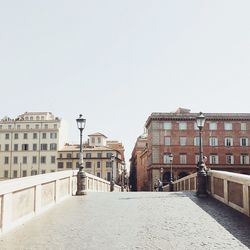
x,y
225,139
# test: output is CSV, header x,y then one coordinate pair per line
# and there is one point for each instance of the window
x,y
53,146
98,174
24,159
229,159
34,147
9,126
108,176
98,164
244,159
6,147
33,172
15,173
197,141
16,136
31,118
212,126
6,160
166,159
93,140
69,155
228,141
109,155
27,126
195,126
183,159
43,171
25,136
15,147
44,135
108,164
15,160
214,159
34,159
243,126
44,147
88,164
228,126
244,142
69,164
25,147
88,155
182,126
53,135
61,156
24,173
53,159
183,141
167,141
99,140
18,126
6,173
7,136
60,164
213,141
43,159
55,125
37,126
167,125
34,135
99,155
37,118
46,126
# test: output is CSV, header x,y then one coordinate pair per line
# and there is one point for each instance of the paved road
x,y
145,221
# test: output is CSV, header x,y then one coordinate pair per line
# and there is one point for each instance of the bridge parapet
x,y
230,188
23,198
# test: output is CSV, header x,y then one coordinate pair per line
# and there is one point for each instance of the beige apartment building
x,y
29,144
97,154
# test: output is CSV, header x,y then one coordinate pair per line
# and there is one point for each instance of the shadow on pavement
x,y
233,221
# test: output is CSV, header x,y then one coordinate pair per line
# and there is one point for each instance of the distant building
x,y
96,155
138,165
29,144
225,143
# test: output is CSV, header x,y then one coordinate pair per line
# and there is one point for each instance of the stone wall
x,y
23,198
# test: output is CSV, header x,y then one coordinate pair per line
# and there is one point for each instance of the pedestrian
x,y
160,186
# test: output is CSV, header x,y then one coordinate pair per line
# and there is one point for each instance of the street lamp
x,y
81,175
112,183
171,157
201,174
122,175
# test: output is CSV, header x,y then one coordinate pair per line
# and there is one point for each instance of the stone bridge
x,y
125,220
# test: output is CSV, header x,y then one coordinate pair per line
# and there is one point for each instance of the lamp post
x,y
112,183
81,175
171,157
161,177
201,174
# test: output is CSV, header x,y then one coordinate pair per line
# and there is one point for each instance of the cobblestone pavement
x,y
145,221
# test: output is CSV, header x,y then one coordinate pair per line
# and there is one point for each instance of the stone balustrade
x,y
23,198
230,188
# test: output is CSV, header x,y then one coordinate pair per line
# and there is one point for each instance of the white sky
x,y
118,61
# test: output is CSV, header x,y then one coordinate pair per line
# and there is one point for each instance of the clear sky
x,y
117,61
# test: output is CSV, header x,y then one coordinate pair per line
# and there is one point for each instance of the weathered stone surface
x,y
219,187
23,203
48,193
235,193
146,221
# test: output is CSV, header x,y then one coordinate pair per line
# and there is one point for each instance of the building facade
x,y
138,165
225,139
97,154
29,144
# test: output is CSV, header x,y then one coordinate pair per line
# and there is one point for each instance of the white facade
x,y
29,144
